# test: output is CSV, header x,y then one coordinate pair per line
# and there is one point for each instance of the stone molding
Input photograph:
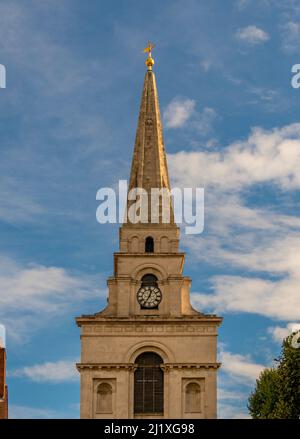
x,y
166,367
153,329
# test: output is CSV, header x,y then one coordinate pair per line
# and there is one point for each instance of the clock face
x,y
149,297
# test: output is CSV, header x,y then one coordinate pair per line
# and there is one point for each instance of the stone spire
x,y
149,164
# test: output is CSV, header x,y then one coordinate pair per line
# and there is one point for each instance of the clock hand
x,y
148,296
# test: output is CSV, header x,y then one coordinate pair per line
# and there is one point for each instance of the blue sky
x,y
68,117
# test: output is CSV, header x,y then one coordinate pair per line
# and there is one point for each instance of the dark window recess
x,y
149,245
149,384
149,280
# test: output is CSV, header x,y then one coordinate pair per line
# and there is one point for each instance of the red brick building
x,y
3,386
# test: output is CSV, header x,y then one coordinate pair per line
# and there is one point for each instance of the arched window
x,y
149,245
104,398
149,279
149,384
193,398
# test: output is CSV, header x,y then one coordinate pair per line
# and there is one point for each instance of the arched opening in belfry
x,y
149,384
149,280
149,245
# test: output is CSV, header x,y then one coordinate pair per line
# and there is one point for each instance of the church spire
x,y
149,164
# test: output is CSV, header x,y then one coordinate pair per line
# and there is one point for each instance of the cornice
x,y
166,367
161,320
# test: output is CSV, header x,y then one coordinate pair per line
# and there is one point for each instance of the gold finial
x,y
149,61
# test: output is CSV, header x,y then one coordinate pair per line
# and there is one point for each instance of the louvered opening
x,y
149,245
149,279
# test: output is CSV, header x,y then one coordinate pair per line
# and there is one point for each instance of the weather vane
x,y
149,61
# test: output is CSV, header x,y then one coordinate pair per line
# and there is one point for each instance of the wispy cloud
x,y
203,121
247,238
17,206
236,379
35,293
182,113
266,156
178,111
49,142
206,65
279,333
229,395
50,372
290,33
274,251
275,299
240,366
242,4
252,35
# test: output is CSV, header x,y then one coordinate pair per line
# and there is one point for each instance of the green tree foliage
x,y
288,405
263,401
277,392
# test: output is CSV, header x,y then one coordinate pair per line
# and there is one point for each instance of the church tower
x,y
148,354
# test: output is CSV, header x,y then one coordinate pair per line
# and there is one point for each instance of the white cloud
x,y
229,395
237,377
274,250
242,4
240,366
38,288
278,256
206,65
178,111
290,33
279,333
248,238
50,372
252,35
203,121
279,300
182,113
266,156
35,293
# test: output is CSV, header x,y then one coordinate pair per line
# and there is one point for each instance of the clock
x,y
149,297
